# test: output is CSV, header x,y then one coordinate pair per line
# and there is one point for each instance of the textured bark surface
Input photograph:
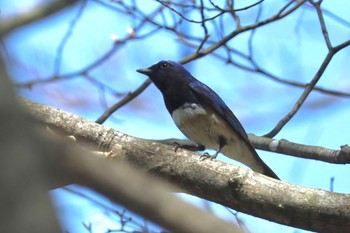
x,y
231,186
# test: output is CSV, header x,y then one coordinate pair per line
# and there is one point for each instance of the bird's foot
x,y
176,146
206,155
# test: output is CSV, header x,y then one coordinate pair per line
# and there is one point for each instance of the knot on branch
x,y
344,155
105,142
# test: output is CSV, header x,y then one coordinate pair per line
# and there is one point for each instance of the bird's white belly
x,y
205,128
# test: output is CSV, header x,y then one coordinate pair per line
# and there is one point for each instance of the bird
x,y
202,116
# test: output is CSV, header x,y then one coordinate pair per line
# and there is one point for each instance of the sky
x,y
292,48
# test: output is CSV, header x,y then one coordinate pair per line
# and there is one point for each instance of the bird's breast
x,y
200,125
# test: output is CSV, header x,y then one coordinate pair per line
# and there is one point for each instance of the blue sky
x,y
292,48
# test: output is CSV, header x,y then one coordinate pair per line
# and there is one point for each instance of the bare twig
x,y
256,68
330,14
115,47
317,6
281,14
252,33
205,29
66,37
126,99
125,218
307,90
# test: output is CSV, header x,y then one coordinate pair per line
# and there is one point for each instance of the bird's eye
x,y
164,65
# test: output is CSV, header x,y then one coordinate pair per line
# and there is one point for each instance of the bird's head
x,y
166,73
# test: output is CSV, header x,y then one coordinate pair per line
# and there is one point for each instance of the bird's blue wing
x,y
208,98
206,95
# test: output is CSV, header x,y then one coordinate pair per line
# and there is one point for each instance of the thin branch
x,y
203,20
205,29
331,15
252,33
126,99
103,58
319,153
317,6
167,5
125,218
307,90
66,37
234,14
108,5
281,14
298,84
259,70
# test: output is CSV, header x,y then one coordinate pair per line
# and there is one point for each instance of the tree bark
x,y
231,186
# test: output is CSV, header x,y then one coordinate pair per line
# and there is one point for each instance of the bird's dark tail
x,y
260,166
270,173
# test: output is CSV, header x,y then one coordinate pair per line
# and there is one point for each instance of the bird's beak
x,y
145,71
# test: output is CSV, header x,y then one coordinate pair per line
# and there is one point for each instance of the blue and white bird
x,y
202,115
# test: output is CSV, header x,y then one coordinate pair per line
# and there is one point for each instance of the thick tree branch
x,y
25,204
143,194
229,185
286,147
34,161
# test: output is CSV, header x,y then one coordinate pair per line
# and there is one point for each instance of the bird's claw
x,y
206,155
176,146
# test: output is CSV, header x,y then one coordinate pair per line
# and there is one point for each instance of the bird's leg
x,y
188,145
206,155
222,143
181,144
